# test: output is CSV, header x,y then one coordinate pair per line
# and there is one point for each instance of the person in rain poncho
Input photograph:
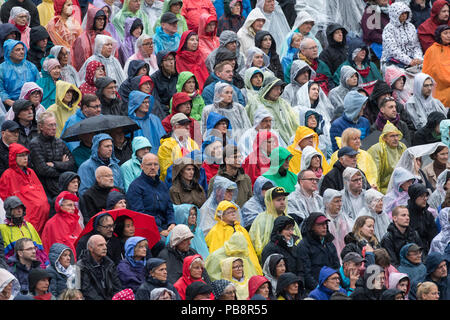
x,y
7,31
436,199
255,57
227,218
228,40
131,169
353,194
255,204
386,154
300,73
224,104
340,224
444,128
15,71
312,160
132,9
397,191
21,18
374,208
187,83
442,239
104,52
110,11
223,189
68,72
143,51
269,97
305,199
188,214
265,41
438,164
235,270
173,6
51,72
422,102
150,125
396,79
133,30
304,137
274,267
400,41
9,285
246,34
67,100
94,70
279,172
233,16
293,47
349,78
26,93
207,29
253,81
232,248
193,271
351,137
261,229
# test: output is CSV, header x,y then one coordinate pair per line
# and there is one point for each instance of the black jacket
x,y
50,149
336,53
124,154
26,4
24,138
313,255
425,135
363,289
150,283
93,201
223,54
114,106
394,240
277,244
288,7
98,281
165,87
421,220
4,157
113,244
35,54
352,244
275,64
5,30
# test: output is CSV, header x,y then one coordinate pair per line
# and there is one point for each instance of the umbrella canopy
x,y
374,138
99,124
145,225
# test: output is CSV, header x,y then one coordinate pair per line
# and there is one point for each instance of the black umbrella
x,y
99,124
370,140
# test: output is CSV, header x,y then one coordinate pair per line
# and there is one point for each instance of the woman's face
x,y
55,73
107,49
266,43
379,206
280,268
21,19
7,291
314,92
403,285
442,156
147,47
296,40
146,87
189,86
68,206
258,60
128,228
122,204
187,173
354,142
175,8
192,218
63,57
264,290
445,36
64,259
399,84
258,24
312,122
367,229
22,159
353,80
227,95
137,32
192,43
140,251
338,36
315,162
257,80
160,272
100,23
432,295
236,10
228,195
292,289
196,270
210,27
36,97
238,269
100,73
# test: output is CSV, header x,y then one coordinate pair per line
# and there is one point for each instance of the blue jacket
x,y
321,292
353,102
212,120
416,272
163,41
59,280
73,119
151,126
131,273
14,75
86,171
208,91
151,196
246,8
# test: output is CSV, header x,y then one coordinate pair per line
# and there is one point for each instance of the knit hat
x,y
50,64
196,288
126,294
218,287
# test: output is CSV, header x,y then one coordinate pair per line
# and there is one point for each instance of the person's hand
x,y
50,164
164,233
9,102
65,158
171,227
368,248
415,62
354,276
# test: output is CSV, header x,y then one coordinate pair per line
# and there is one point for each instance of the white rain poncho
x,y
438,196
352,205
249,91
270,269
276,23
348,16
336,95
249,61
395,196
247,139
255,205
234,112
246,34
442,239
6,278
112,65
226,37
68,72
339,225
208,209
151,61
324,106
290,91
418,107
382,220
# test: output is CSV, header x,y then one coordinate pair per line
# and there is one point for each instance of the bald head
x,y
309,48
150,165
104,177
97,246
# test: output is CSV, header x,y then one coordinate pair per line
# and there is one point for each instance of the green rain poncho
x,y
277,157
119,19
182,25
262,226
197,100
285,120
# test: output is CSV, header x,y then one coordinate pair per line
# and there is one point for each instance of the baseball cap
x,y
414,247
347,151
321,219
179,118
10,125
353,257
279,192
169,17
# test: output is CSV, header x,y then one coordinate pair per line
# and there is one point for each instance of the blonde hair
x,y
348,134
70,294
359,223
424,288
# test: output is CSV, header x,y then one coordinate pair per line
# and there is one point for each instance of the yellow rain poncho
x,y
262,226
232,248
364,161
226,266
385,157
222,231
61,110
46,11
295,163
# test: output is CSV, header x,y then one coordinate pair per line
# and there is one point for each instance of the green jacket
x,y
119,20
277,158
197,100
182,25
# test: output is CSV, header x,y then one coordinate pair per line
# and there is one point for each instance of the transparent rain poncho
x,y
255,205
438,196
349,207
382,220
442,239
395,196
68,72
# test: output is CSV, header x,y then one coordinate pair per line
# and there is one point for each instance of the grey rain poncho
x,y
269,269
352,205
226,37
290,91
395,196
442,239
255,205
336,95
382,220
348,16
438,196
249,60
68,72
324,106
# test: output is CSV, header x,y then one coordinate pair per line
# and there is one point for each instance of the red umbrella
x,y
144,224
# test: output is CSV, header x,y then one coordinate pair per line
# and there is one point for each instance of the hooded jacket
x,y
186,278
5,30
14,75
113,106
6,278
427,133
88,85
336,52
284,281
227,20
254,283
87,169
197,100
35,54
391,75
61,278
246,34
400,41
337,94
128,47
313,253
25,185
290,91
132,273
353,103
182,25
415,272
256,203
441,240
426,30
275,65
394,280
432,262
321,292
207,42
226,37
395,195
131,169
119,19
277,157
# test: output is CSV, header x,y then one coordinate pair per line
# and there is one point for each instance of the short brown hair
x,y
396,210
219,67
382,257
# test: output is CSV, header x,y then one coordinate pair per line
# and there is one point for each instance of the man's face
x,y
348,161
26,114
68,206
18,53
355,184
265,124
311,50
134,5
274,93
93,108
338,35
350,267
309,182
110,90
48,128
389,110
332,282
302,78
279,204
269,6
234,160
229,216
421,201
444,13
105,149
392,139
226,73
188,172
99,248
106,179
160,272
306,27
73,186
170,28
308,141
150,166
232,46
184,245
168,64
441,270
402,219
427,88
28,253
146,87
10,136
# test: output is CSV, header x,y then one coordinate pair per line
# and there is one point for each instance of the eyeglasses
x,y
312,48
97,106
110,226
240,266
30,249
334,279
312,179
